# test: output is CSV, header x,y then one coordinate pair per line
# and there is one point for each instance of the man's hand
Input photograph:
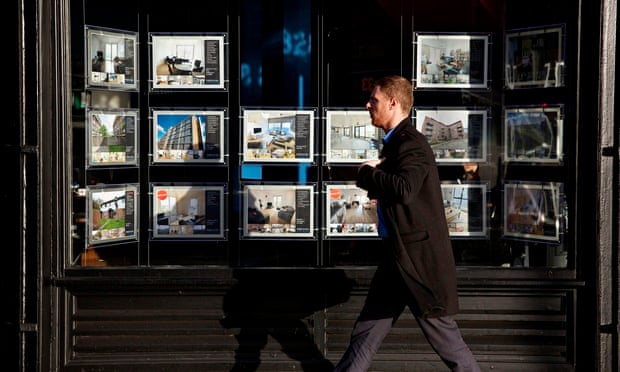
x,y
372,163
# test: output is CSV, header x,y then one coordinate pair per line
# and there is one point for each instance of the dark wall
x,y
10,199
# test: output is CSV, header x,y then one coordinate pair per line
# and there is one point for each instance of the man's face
x,y
378,108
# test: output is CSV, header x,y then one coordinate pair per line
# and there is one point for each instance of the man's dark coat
x,y
408,188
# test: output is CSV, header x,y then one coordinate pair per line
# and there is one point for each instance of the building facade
x,y
247,247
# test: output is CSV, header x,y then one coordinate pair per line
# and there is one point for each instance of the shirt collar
x,y
387,135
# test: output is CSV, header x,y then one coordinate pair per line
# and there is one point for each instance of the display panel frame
x,y
112,137
456,135
350,137
262,218
278,135
111,59
469,220
188,61
535,57
188,136
195,211
117,223
451,60
533,211
539,126
349,212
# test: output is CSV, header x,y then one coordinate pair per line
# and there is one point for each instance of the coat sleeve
x,y
401,176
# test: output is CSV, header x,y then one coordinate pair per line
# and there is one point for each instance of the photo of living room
x,y
349,211
351,137
111,61
451,61
278,209
276,135
187,61
188,211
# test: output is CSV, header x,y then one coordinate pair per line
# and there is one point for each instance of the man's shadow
x,y
279,304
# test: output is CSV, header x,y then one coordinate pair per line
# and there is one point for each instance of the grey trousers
x,y
387,299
